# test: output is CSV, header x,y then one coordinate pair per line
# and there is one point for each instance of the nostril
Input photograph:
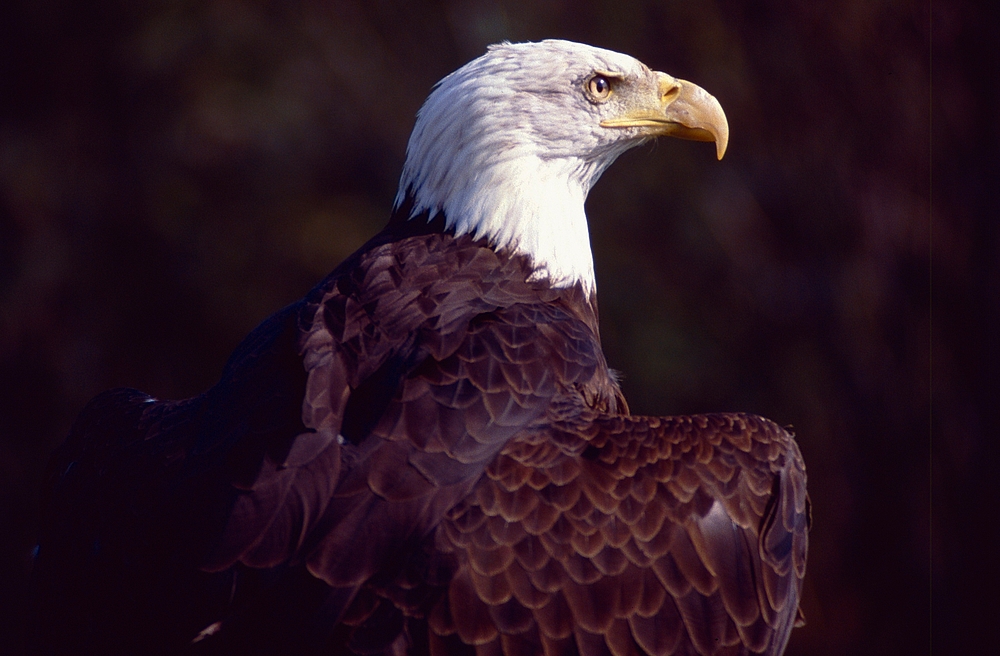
x,y
669,92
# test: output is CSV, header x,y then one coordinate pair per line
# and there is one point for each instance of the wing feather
x,y
441,443
643,556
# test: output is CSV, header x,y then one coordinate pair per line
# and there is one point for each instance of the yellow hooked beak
x,y
681,109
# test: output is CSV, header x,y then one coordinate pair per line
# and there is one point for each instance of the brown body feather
x,y
427,454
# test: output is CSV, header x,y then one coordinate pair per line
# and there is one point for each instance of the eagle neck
x,y
525,205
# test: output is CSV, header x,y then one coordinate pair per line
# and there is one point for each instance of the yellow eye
x,y
599,87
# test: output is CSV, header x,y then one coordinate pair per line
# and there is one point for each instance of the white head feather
x,y
509,146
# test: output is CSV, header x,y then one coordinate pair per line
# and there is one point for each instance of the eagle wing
x,y
621,535
426,448
341,433
422,363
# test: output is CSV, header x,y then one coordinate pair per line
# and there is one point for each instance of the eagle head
x,y
508,146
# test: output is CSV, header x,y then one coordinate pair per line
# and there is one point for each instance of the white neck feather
x,y
524,204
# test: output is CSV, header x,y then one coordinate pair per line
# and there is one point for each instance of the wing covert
x,y
663,536
422,361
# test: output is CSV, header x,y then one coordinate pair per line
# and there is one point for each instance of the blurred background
x,y
172,171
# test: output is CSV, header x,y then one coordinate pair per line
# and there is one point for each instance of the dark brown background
x,y
173,171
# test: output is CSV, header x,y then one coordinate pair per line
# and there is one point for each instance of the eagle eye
x,y
599,87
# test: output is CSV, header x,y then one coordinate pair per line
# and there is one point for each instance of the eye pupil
x,y
600,86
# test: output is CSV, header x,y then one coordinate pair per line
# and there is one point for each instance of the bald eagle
x,y
428,453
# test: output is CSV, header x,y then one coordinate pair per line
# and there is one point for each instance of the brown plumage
x,y
427,454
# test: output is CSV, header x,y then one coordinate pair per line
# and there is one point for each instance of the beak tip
x,y
720,146
719,128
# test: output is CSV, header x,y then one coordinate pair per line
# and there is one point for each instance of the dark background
x,y
171,172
